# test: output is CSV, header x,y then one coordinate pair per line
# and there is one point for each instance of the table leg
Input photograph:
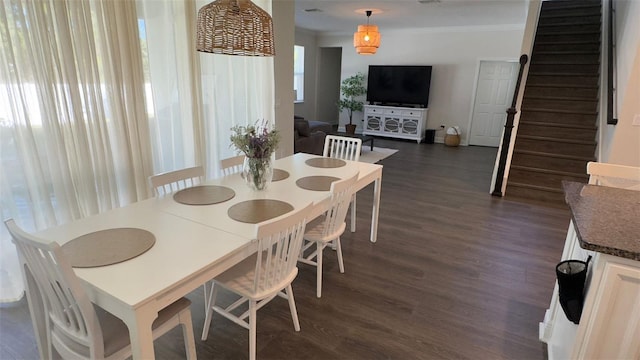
x,y
371,144
376,209
141,334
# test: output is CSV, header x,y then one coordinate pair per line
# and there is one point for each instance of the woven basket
x,y
452,140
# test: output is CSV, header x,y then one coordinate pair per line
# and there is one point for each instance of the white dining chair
x,y
232,165
263,276
613,175
68,322
327,229
168,182
345,148
342,147
171,181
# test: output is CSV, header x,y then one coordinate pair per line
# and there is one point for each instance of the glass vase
x,y
257,172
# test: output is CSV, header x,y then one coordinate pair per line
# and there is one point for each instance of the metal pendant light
x,y
235,27
367,39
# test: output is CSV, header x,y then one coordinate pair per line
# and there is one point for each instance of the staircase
x,y
558,122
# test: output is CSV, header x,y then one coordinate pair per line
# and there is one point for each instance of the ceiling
x,y
342,17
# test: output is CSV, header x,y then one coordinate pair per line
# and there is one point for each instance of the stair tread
x,y
555,62
558,5
560,125
560,111
569,32
549,171
580,86
576,74
564,98
562,43
570,15
566,52
554,139
558,24
554,155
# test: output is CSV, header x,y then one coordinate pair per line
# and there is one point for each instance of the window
x,y
298,73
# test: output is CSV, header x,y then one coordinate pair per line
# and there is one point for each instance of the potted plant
x,y
352,89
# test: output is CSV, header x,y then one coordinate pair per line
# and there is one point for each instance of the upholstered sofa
x,y
309,135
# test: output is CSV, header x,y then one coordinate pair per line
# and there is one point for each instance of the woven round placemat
x,y
108,247
279,174
316,183
204,195
325,162
255,211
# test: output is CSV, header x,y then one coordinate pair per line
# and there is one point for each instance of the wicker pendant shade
x,y
235,27
367,39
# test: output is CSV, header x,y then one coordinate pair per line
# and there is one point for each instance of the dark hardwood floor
x,y
455,274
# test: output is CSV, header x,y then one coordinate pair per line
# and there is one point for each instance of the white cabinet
x,y
556,330
399,122
610,323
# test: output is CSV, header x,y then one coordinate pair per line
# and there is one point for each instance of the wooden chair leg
x,y
339,252
319,270
211,300
252,329
292,307
353,213
206,297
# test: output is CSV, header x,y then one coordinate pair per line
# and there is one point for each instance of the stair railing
x,y
611,68
508,128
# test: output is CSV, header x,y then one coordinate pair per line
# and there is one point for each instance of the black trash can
x,y
571,276
429,136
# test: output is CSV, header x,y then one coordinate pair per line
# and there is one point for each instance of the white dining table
x,y
193,243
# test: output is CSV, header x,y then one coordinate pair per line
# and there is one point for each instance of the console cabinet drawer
x,y
398,122
412,113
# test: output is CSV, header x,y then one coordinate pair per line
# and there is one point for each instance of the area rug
x,y
376,155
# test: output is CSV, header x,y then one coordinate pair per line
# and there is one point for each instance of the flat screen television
x,y
400,85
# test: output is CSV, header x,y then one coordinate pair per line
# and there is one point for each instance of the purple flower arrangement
x,y
255,141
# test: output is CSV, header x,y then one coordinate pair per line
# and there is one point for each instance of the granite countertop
x,y
606,219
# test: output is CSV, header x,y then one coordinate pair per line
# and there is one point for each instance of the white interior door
x,y
496,82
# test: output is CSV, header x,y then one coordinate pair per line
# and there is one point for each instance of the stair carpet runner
x,y
558,122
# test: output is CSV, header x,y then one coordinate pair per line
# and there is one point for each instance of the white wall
x,y
622,141
308,39
454,54
628,39
283,28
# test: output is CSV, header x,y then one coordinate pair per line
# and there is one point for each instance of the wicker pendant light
x,y
367,39
235,27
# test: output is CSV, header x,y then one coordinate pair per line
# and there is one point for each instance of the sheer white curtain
x,y
236,90
73,126
77,136
173,83
198,97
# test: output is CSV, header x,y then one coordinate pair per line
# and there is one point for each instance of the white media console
x,y
398,122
